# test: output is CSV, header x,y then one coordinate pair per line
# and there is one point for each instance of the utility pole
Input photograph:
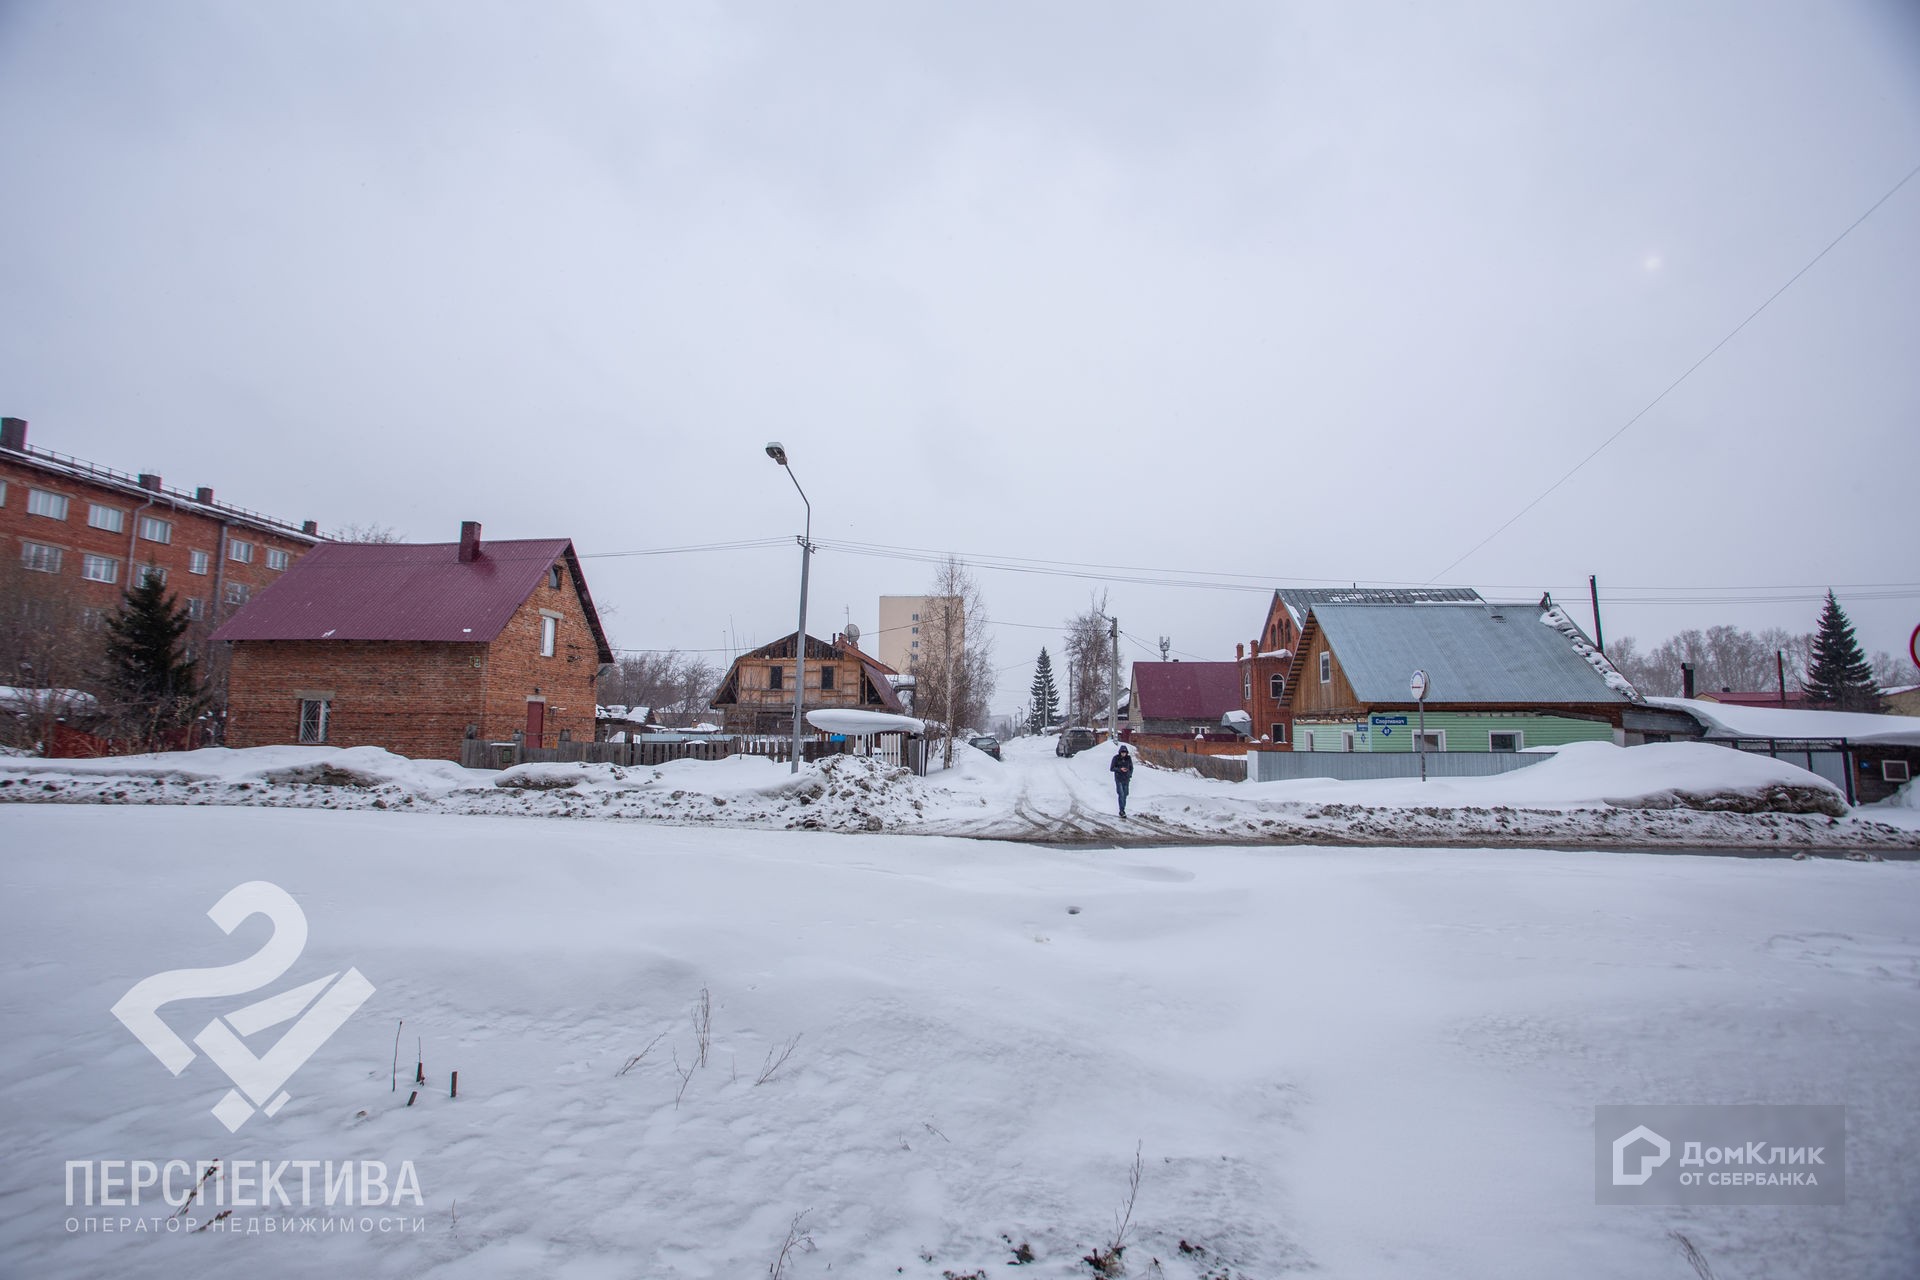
x,y
1593,589
1113,688
946,630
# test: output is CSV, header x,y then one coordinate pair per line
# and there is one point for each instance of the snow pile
x,y
21,701
1729,720
1556,617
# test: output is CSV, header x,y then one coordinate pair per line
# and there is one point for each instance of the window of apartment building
x,y
1326,668
3,493
240,550
40,502
549,633
237,593
154,529
278,559
776,677
112,519
40,557
826,677
916,617
198,561
1246,686
196,608
314,714
93,618
1276,687
153,573
1503,741
916,644
916,630
99,568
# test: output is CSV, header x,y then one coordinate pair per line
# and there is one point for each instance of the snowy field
x,y
1333,1062
1684,795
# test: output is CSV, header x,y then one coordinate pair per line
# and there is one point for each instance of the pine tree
x,y
1839,677
151,680
1045,695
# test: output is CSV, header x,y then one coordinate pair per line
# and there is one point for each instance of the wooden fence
x,y
475,754
1206,766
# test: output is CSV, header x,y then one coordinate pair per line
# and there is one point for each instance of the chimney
x,y
13,434
149,482
469,541
311,526
1239,652
203,494
1686,679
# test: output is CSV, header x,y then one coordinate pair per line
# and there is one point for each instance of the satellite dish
x,y
853,633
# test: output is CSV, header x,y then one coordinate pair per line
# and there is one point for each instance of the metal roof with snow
x,y
1187,690
1300,599
1481,652
407,591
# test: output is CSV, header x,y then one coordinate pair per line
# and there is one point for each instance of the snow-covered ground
x,y
1334,1062
1679,795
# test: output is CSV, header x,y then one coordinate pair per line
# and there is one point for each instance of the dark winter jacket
x,y
1122,766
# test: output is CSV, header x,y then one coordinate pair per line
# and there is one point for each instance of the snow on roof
x,y
21,701
1730,720
1300,599
858,723
1556,617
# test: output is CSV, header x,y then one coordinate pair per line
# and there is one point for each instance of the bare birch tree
x,y
1090,651
954,680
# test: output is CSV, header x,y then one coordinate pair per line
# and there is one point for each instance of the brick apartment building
x,y
415,647
81,532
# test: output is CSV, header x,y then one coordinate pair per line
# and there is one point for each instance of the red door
x,y
536,723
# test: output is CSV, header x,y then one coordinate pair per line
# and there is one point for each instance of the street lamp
x,y
779,455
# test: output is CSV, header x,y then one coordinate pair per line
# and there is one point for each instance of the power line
x,y
1731,335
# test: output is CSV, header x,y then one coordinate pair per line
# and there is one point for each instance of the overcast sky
x,y
1309,293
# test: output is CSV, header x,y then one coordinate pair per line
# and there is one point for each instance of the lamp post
x,y
779,455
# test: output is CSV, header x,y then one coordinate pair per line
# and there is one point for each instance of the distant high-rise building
x,y
907,627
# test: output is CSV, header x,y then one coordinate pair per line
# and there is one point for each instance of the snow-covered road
x,y
1350,1063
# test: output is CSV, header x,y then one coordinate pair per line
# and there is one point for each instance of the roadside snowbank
x,y
1675,795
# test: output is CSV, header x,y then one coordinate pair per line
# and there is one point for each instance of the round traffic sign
x,y
1419,686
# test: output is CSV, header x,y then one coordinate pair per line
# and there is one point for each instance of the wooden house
x,y
757,695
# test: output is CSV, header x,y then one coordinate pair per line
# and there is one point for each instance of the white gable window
x,y
40,502
112,519
314,715
549,634
1326,668
99,568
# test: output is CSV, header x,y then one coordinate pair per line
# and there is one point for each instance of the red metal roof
x,y
1186,690
402,591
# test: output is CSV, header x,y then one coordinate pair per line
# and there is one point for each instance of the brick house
x,y
80,533
414,647
757,695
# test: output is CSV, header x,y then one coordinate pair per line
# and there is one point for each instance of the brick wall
x,y
517,671
191,527
413,698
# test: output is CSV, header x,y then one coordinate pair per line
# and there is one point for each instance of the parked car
x,y
1074,741
988,743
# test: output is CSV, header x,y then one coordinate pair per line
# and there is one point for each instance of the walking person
x,y
1122,767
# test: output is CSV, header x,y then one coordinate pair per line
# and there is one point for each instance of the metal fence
x,y
1363,766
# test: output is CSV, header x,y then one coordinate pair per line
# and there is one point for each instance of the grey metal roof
x,y
1471,653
